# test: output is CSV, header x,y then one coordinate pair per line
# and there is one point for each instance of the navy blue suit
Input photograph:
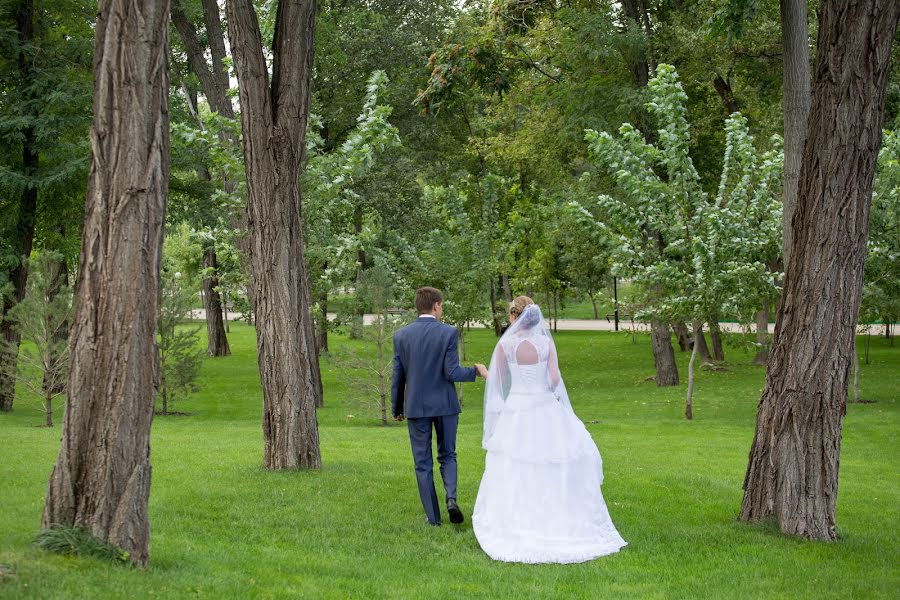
x,y
426,365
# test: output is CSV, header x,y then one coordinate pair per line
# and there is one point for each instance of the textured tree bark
x,y
762,336
663,354
101,479
217,341
24,232
795,41
792,472
273,119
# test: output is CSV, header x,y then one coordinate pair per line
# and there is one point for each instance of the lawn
x,y
222,527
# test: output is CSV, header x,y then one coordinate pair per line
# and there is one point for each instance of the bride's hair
x,y
518,306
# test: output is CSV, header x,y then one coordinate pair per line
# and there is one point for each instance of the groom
x,y
426,365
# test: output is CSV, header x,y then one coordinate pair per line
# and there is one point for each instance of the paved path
x,y
576,324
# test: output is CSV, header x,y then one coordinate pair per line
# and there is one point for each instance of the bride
x,y
540,499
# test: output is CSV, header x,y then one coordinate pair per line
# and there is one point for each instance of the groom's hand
x,y
399,417
481,370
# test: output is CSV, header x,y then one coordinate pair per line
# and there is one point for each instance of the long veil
x,y
529,326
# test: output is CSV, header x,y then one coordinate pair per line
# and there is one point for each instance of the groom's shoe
x,y
456,515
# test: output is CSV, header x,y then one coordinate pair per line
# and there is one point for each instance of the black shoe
x,y
456,515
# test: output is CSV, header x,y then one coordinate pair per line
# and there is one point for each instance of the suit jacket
x,y
426,365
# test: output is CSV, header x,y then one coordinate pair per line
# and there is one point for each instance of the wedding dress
x,y
539,499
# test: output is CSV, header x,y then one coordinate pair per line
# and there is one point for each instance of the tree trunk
x,y
507,290
762,336
702,348
217,342
726,93
594,305
498,326
683,335
101,480
663,354
855,372
715,335
24,231
689,400
792,472
796,90
273,119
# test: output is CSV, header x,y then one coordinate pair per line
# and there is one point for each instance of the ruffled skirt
x,y
540,499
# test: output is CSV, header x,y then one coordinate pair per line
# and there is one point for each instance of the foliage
x,y
369,370
881,291
71,540
180,358
42,320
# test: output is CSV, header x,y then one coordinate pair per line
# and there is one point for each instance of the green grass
x,y
222,527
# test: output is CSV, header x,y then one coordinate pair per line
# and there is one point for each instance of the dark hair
x,y
426,298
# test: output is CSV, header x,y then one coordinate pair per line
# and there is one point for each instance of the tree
x,y
42,318
792,473
101,479
274,118
214,84
179,359
44,95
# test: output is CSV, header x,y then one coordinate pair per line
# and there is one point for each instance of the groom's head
x,y
429,301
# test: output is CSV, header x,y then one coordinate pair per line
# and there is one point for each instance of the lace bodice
x,y
527,359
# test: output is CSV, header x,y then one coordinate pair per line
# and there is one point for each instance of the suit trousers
x,y
420,439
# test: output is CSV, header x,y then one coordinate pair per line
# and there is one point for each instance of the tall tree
x,y
274,118
23,237
792,473
101,479
214,84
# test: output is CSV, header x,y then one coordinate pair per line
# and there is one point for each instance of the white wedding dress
x,y
539,499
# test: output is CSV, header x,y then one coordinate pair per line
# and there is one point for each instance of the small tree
x,y
371,375
41,318
179,356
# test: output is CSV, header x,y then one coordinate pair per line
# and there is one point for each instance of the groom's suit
x,y
426,365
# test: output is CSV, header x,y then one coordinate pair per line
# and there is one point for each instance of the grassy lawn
x,y
222,527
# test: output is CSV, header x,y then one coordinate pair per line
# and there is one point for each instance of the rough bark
x,y
796,84
217,342
101,479
663,354
273,119
792,472
24,229
762,336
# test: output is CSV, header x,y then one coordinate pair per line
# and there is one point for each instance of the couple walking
x,y
539,499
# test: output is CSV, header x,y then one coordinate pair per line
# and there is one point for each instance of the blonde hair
x,y
518,305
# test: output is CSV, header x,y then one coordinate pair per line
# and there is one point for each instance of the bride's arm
x,y
553,368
